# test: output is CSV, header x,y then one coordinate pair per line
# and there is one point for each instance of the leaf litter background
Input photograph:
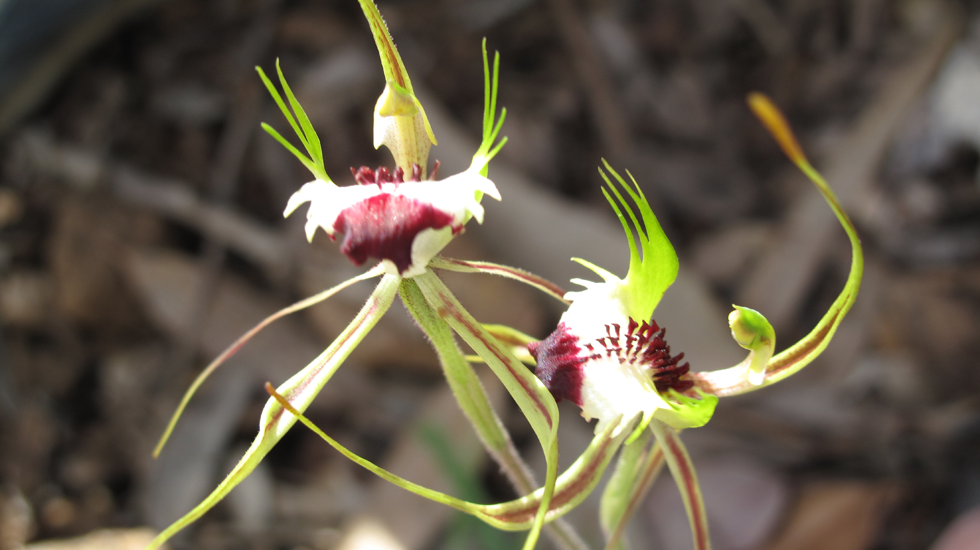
x,y
140,233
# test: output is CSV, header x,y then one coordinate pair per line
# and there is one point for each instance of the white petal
x,y
612,389
309,192
327,201
600,304
426,245
455,195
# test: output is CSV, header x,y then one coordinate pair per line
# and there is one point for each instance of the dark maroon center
x,y
560,358
559,365
385,226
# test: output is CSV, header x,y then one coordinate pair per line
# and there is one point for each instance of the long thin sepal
x,y
644,468
244,338
682,469
534,400
300,389
473,401
528,278
459,504
516,515
732,381
615,497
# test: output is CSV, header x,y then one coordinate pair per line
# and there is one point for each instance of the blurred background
x,y
141,233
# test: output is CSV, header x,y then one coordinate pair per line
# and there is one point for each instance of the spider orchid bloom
x,y
607,356
400,216
615,364
402,219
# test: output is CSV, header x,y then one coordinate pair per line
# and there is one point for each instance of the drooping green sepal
x,y
535,401
753,332
637,469
653,262
300,390
399,119
615,503
682,469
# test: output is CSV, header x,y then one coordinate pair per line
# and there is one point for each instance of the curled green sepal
x,y
753,332
300,123
653,262
399,119
732,381
300,389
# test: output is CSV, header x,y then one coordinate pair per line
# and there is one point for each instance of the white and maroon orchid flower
x,y
611,359
607,355
403,222
403,218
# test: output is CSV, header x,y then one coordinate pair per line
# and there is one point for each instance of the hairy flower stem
x,y
465,384
476,406
534,400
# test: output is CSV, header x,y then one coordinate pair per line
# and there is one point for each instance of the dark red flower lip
x,y
385,226
561,358
403,222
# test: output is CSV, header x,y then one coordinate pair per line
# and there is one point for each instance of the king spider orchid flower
x,y
402,218
611,359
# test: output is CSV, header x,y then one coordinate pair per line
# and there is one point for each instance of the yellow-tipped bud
x,y
775,122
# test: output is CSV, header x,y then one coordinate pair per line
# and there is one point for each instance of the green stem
x,y
465,384
534,400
